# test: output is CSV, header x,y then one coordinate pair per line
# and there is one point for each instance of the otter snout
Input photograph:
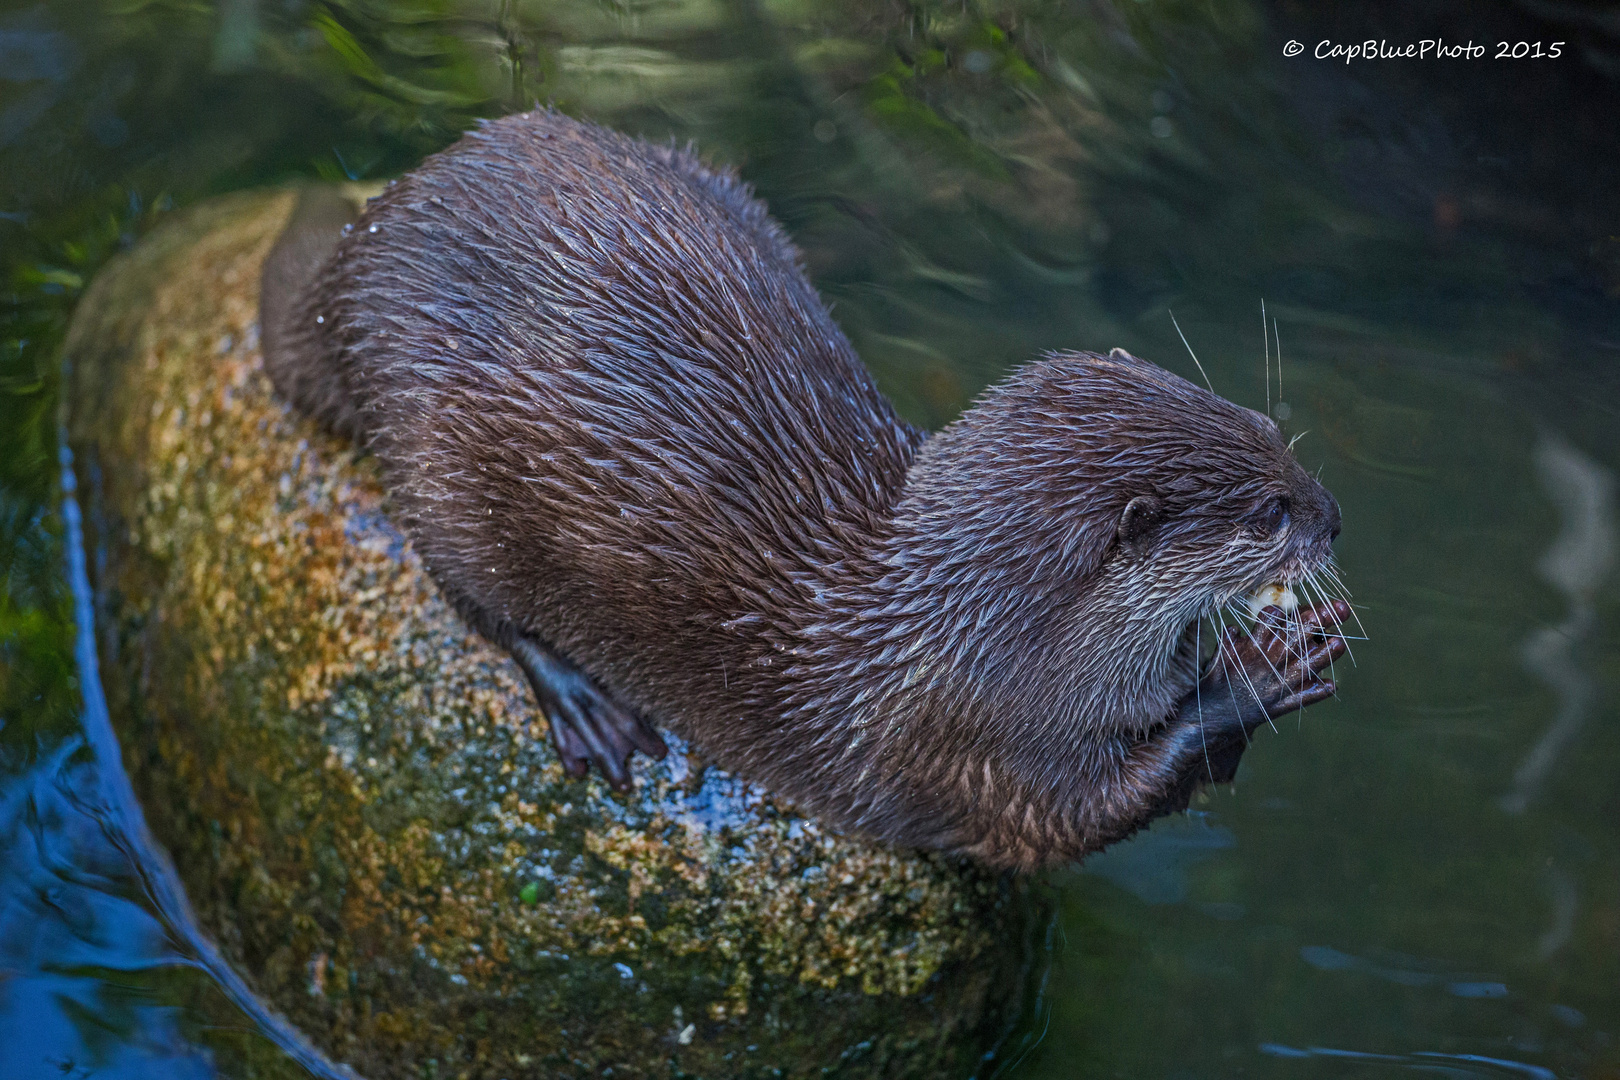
x,y
1317,510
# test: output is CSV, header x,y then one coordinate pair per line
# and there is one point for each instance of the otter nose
x,y
1331,518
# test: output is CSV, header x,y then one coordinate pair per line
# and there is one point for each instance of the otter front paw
x,y
1278,669
586,725
1252,679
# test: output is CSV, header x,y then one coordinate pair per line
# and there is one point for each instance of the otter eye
x,y
1272,517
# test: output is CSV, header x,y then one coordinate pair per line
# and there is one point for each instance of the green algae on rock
x,y
361,797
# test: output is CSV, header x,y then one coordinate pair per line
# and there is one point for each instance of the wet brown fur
x,y
615,416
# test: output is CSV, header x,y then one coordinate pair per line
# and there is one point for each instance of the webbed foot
x,y
586,725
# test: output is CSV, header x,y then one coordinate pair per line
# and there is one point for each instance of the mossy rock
x,y
361,797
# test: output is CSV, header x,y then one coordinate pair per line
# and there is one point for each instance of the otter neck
x,y
990,637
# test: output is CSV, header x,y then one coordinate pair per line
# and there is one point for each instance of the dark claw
x,y
1325,653
608,752
570,750
586,725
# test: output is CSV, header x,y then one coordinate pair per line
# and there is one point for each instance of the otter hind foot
x,y
586,725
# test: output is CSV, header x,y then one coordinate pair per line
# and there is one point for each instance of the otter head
x,y
1070,531
1211,505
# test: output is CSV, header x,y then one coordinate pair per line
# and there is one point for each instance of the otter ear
x,y
1139,518
1124,357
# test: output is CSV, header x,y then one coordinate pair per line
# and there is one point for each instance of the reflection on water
x,y
1578,565
1462,1066
1419,877
86,963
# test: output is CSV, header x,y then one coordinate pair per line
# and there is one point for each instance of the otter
x,y
633,448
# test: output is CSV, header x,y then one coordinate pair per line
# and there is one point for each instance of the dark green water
x,y
1423,876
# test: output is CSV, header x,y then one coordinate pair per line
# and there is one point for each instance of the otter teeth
x,y
1272,594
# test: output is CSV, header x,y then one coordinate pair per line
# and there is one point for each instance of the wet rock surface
x,y
363,802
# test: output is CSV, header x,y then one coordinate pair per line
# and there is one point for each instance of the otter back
x,y
606,397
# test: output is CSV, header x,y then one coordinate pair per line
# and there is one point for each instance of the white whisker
x,y
1331,573
1316,587
1267,339
1190,353
1248,682
1237,614
1279,358
1198,697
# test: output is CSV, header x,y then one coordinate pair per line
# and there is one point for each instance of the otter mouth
x,y
1282,599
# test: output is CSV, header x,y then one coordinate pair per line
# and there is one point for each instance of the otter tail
x,y
300,353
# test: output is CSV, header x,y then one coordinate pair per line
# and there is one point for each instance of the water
x,y
1423,876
